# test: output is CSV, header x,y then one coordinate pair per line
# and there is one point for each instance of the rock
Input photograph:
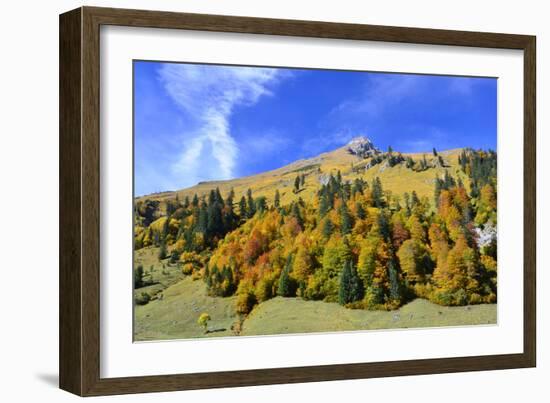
x,y
362,147
486,235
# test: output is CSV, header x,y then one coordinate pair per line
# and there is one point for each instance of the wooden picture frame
x,y
80,199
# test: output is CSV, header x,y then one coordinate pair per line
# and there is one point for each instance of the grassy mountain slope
x,y
397,179
175,316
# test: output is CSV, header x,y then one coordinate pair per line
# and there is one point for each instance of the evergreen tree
x,y
202,224
261,204
251,208
163,252
377,192
357,186
242,209
228,213
138,277
437,191
219,197
328,228
324,203
165,228
346,191
339,178
351,286
361,213
434,152
285,286
186,202
297,184
415,201
174,256
195,200
407,199
395,285
277,199
346,222
214,226
302,180
295,212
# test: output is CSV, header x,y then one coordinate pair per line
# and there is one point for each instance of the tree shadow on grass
x,y
221,329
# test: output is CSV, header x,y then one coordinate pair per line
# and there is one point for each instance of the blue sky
x,y
196,122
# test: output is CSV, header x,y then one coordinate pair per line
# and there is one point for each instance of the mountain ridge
x,y
359,158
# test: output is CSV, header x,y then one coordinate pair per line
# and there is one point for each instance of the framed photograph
x,y
248,201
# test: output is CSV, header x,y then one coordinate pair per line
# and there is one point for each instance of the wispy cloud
x,y
209,94
380,93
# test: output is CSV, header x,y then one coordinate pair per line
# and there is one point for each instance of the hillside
x,y
352,160
357,228
175,316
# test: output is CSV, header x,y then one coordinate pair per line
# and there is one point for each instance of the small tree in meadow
x,y
203,320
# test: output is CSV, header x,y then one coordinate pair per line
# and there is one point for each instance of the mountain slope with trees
x,y
348,240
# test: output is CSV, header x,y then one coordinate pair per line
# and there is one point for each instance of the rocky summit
x,y
362,147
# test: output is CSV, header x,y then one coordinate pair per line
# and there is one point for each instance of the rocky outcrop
x,y
362,147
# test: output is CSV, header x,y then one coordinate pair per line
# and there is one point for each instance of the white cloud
x,y
209,95
381,92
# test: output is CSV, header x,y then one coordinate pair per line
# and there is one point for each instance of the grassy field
x,y
175,315
292,315
157,275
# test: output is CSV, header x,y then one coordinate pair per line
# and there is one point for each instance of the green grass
x,y
175,315
293,315
162,275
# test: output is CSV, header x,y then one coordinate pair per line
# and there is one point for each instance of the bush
x,y
245,302
264,289
374,297
143,298
187,269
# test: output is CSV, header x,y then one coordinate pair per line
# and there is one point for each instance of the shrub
x,y
143,298
264,289
187,269
245,302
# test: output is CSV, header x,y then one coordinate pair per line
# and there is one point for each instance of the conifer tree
x,y
437,191
202,224
328,228
346,223
351,287
285,287
295,212
138,277
162,251
377,192
261,204
251,206
324,203
395,284
242,209
360,211
339,178
415,201
277,199
297,184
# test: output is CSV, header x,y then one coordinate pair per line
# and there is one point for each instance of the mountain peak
x,y
362,147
